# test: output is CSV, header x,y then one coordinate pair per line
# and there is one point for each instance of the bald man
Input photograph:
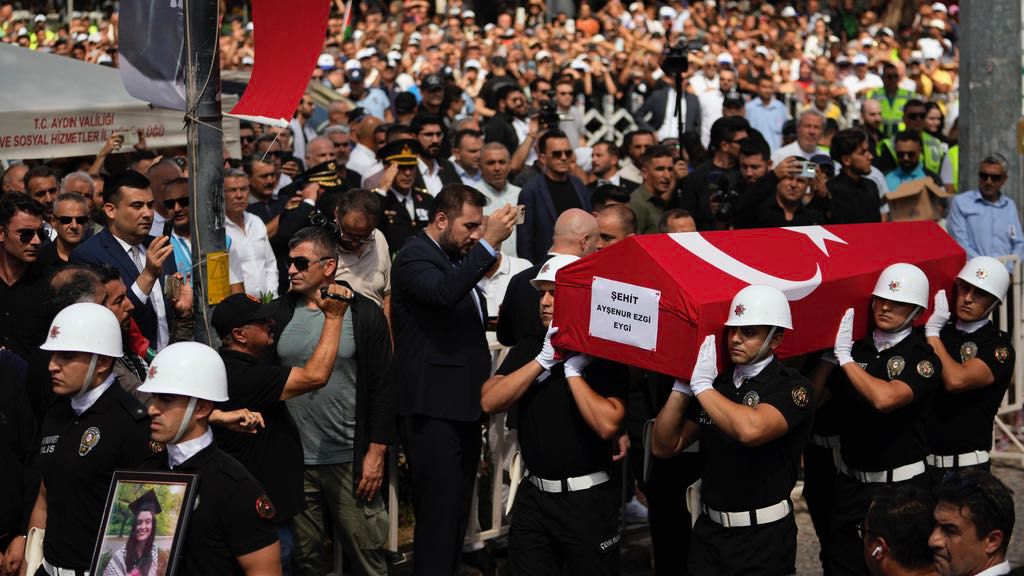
x,y
14,179
363,158
615,223
576,234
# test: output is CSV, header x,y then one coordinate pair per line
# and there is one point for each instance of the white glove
x,y
683,387
546,358
706,368
940,315
574,365
844,339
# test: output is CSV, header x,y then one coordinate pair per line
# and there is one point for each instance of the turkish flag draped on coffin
x,y
650,300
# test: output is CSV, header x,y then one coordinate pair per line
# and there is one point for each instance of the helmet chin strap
x,y
910,318
764,351
185,420
89,374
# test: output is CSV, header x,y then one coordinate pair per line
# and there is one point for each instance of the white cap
x,y
597,38
85,327
248,61
936,23
469,14
903,283
188,369
636,7
472,63
551,267
81,37
762,51
939,7
725,58
366,53
860,60
326,61
104,59
580,64
542,55
249,26
667,12
760,306
39,18
788,12
352,64
988,274
94,37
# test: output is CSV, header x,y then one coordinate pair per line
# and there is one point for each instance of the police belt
x,y
55,571
568,484
824,441
884,476
957,460
765,515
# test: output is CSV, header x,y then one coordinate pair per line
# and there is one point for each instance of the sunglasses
x,y
302,263
171,202
906,154
915,116
25,235
80,220
246,138
990,177
368,239
560,154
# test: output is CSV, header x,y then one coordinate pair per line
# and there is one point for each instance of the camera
x,y
674,60
548,115
722,191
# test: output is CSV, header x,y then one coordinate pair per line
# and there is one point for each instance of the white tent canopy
x,y
54,106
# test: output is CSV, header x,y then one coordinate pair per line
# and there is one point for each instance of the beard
x,y
450,247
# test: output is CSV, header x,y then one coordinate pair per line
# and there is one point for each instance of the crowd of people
x,y
392,256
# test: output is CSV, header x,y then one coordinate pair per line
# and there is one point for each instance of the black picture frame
x,y
175,495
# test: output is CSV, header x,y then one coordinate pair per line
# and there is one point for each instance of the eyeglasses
x,y
861,531
80,220
25,234
45,191
915,116
170,202
990,177
560,154
302,263
906,154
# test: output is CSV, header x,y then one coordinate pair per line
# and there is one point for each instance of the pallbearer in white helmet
x,y
883,388
752,421
977,364
92,428
232,526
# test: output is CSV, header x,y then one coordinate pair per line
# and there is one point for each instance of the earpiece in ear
x,y
876,552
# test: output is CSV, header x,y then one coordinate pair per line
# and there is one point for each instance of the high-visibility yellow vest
x,y
954,162
933,151
892,111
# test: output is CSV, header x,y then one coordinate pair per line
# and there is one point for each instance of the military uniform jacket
x,y
232,515
738,478
77,457
873,441
395,222
962,422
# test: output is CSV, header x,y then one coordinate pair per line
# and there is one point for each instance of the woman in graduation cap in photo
x,y
140,556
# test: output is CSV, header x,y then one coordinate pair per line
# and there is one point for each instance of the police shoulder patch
x,y
800,396
264,507
90,438
1002,353
925,368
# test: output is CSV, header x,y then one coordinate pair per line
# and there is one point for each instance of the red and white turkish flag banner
x,y
288,38
650,300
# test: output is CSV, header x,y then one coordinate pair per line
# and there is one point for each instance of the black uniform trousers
x,y
667,515
443,456
852,499
564,533
819,493
765,550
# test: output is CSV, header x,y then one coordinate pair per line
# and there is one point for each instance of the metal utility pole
x,y
990,90
205,161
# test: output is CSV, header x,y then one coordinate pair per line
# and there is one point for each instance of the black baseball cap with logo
x,y
238,310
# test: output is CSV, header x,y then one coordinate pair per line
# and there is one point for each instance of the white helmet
x,y
85,327
188,369
552,266
760,306
903,283
988,274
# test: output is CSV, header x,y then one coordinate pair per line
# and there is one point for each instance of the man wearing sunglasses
x,y
908,159
984,221
160,174
70,220
933,150
22,320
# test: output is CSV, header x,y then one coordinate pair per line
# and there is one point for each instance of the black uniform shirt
x,y
394,220
737,477
555,440
274,454
959,423
17,444
232,515
77,456
874,441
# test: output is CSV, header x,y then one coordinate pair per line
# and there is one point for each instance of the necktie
x,y
136,254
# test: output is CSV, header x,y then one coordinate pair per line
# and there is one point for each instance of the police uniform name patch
x,y
264,507
1002,354
968,350
925,368
800,396
90,438
895,366
751,399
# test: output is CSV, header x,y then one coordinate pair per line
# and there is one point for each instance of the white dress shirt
x,y
252,246
178,453
363,160
82,403
496,199
431,176
163,332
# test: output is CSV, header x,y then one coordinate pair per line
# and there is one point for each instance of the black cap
x,y
325,174
433,82
405,102
733,100
355,75
356,114
238,310
146,502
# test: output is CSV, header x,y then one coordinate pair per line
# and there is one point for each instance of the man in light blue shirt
x,y
766,114
908,157
985,222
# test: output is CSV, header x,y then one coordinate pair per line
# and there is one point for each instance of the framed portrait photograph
x,y
144,524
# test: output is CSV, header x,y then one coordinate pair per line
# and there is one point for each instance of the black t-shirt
x,y
232,517
563,195
274,454
555,440
737,477
851,202
871,440
962,422
771,215
77,456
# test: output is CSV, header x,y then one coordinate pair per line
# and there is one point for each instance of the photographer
x,y
716,180
792,191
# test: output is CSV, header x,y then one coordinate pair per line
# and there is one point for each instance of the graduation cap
x,y
402,152
145,503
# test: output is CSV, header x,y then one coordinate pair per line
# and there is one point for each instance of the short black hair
x,y
126,179
627,139
106,272
397,130
464,133
359,200
542,143
907,136
502,93
903,517
14,202
756,147
672,214
39,171
725,128
452,197
605,192
324,241
846,142
625,214
656,151
914,103
986,498
421,121
612,148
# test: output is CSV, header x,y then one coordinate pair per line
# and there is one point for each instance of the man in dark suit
x,y
142,260
441,362
434,170
658,114
548,195
405,207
